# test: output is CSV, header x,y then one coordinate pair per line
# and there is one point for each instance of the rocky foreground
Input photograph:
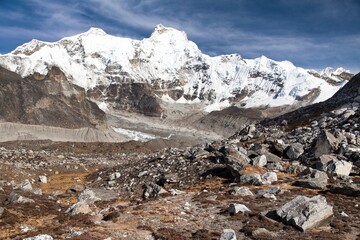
x,y
292,180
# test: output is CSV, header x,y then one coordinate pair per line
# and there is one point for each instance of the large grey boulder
x,y
346,188
312,178
228,234
332,165
326,144
269,177
305,213
79,207
294,151
90,195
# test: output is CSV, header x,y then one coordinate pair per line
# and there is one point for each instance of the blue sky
x,y
310,33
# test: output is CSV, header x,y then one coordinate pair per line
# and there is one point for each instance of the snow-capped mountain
x,y
174,69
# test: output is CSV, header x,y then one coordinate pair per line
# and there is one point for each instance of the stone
x,y
25,185
235,208
294,151
152,190
269,177
251,178
40,237
241,191
16,198
269,190
228,234
79,207
326,144
260,161
280,146
346,188
332,165
43,179
90,195
306,213
312,178
37,191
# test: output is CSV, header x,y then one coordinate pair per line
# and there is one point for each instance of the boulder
x,y
294,151
305,213
312,178
269,177
79,207
91,195
228,234
280,146
241,191
235,208
326,144
260,161
346,188
251,178
25,185
269,190
334,166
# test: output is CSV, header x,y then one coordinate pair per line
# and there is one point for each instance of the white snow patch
x,y
135,135
217,106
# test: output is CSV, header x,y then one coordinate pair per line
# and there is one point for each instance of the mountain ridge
x,y
175,69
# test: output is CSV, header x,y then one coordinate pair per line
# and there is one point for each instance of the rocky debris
x,y
14,198
114,176
228,234
43,179
152,190
235,208
312,178
294,151
40,237
305,213
267,192
345,188
241,191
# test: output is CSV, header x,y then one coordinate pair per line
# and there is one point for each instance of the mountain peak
x,y
161,30
95,31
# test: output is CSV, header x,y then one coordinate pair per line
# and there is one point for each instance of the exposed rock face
x,y
46,100
306,213
133,97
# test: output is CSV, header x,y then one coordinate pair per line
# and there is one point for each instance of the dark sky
x,y
310,33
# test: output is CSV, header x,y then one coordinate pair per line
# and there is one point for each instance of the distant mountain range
x,y
126,74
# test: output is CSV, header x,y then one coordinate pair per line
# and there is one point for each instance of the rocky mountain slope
x,y
49,100
169,67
